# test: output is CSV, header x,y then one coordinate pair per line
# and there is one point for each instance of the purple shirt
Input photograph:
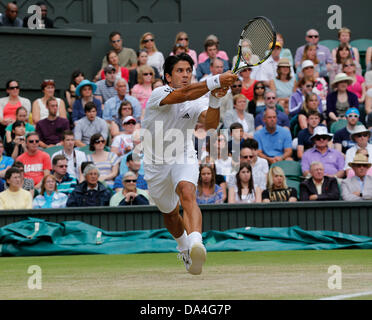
x,y
50,131
322,52
333,160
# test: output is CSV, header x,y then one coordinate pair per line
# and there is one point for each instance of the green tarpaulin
x,y
36,237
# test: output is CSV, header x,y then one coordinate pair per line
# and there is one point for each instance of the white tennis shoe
x,y
194,258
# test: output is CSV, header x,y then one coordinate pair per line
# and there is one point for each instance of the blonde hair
x,y
305,56
179,34
270,178
344,30
239,96
142,44
144,69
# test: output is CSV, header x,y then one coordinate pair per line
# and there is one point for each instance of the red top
x,y
248,92
9,111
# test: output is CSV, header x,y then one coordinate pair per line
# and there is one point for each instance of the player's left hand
x,y
220,92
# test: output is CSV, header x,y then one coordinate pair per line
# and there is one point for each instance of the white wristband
x,y
213,82
214,102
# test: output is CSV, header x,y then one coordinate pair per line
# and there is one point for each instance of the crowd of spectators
x,y
311,108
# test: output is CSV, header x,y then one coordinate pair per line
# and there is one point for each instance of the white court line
x,y
348,296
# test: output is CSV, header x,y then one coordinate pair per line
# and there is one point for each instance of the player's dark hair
x,y
171,61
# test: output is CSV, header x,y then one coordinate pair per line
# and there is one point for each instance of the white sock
x,y
195,237
183,242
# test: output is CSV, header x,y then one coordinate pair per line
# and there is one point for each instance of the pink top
x,y
351,173
141,93
220,54
9,111
357,86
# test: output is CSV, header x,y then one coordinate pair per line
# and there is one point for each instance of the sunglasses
x,y
33,141
247,157
148,74
180,39
236,86
12,88
270,98
322,138
313,36
63,166
260,87
359,135
99,141
115,41
131,180
353,116
348,65
148,40
130,122
361,165
309,86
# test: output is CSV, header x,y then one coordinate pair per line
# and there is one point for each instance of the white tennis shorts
x,y
162,181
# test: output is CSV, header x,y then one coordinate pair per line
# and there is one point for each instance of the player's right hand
x,y
227,79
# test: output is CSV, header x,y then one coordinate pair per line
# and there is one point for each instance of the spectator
x,y
247,83
340,100
22,116
39,107
360,136
319,186
45,22
27,183
130,195
207,191
351,173
304,141
333,161
89,125
235,142
271,102
106,86
10,18
311,103
204,68
322,52
84,91
142,58
76,77
10,104
133,165
220,179
227,102
143,89
274,141
37,163
123,143
342,54
155,57
238,114
244,190
14,197
285,52
310,54
277,189
358,85
358,187
106,162
217,148
74,157
50,129
112,105
216,67
257,105
119,71
183,39
17,144
5,161
203,56
342,138
49,196
64,182
283,83
344,36
91,192
117,126
127,56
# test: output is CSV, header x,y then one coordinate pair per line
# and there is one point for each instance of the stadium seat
x,y
330,44
340,124
294,184
86,150
292,169
52,150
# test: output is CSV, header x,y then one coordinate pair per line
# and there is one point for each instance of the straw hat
x,y
284,62
360,159
341,77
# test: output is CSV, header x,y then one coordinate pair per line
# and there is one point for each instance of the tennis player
x,y
170,162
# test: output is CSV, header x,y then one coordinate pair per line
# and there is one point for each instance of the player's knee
x,y
187,192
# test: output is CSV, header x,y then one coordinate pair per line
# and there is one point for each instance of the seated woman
x,y
107,163
344,36
277,189
76,77
123,143
17,143
130,195
39,109
208,192
244,191
143,89
21,115
117,126
310,54
247,83
120,72
358,86
257,104
49,197
218,152
27,183
155,57
311,103
183,39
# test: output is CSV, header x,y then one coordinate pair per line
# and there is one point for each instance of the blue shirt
x,y
273,145
6,162
282,121
205,68
112,105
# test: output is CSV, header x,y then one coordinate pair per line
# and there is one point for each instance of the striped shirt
x,y
105,167
67,184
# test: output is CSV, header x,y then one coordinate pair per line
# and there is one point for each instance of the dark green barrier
x,y
346,217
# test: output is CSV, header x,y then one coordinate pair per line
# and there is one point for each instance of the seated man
x,y
91,192
304,141
106,87
10,18
358,187
50,129
333,161
319,187
89,125
65,183
342,138
274,142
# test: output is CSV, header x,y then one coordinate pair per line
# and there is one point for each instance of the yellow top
x,y
21,199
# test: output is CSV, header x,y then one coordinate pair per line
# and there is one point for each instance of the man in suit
x,y
358,187
319,187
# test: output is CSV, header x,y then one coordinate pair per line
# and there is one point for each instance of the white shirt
x,y
267,71
169,129
156,60
74,161
122,141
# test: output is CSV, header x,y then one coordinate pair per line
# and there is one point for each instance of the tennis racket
x,y
257,42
